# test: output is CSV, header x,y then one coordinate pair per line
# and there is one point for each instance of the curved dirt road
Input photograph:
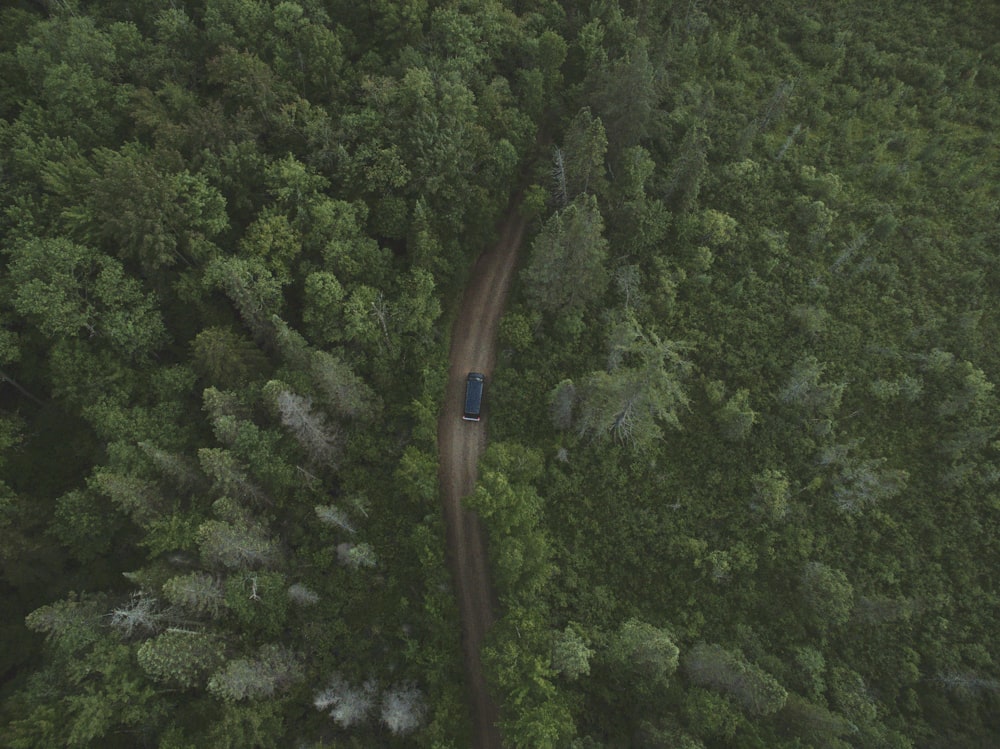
x,y
460,445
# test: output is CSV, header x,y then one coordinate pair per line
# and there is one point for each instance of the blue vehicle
x,y
473,396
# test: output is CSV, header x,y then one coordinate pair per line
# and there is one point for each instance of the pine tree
x,y
716,668
336,517
273,670
240,545
562,399
198,593
302,595
341,389
403,709
645,652
320,440
570,654
139,617
180,656
347,705
356,556
565,271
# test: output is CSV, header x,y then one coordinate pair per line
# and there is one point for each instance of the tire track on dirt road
x,y
460,445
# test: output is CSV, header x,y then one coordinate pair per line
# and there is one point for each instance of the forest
x,y
742,486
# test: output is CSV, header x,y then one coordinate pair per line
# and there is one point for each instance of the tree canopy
x,y
742,480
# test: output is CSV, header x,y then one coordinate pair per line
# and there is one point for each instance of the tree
x,y
356,556
860,483
71,624
274,669
258,600
628,280
341,389
828,594
240,545
688,169
334,230
643,387
850,695
625,92
302,595
714,667
565,271
223,358
229,475
273,241
771,489
417,308
579,164
138,498
180,469
71,290
403,708
319,439
197,593
562,398
129,202
85,523
139,617
85,709
336,517
250,83
347,705
972,392
875,610
181,657
710,715
368,315
251,287
805,391
813,722
570,654
645,652
716,228
736,418
323,313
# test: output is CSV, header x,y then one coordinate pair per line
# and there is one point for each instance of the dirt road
x,y
460,444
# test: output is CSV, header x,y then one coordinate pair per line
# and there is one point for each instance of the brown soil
x,y
460,444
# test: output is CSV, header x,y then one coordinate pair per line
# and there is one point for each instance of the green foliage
x,y
230,235
644,652
827,593
124,199
772,490
579,164
223,358
274,669
570,654
714,667
814,723
239,545
180,657
252,288
69,290
736,418
85,524
565,271
643,388
196,593
710,715
176,179
259,602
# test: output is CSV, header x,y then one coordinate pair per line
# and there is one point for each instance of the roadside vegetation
x,y
742,486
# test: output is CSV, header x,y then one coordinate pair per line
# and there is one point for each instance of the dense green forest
x,y
743,486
